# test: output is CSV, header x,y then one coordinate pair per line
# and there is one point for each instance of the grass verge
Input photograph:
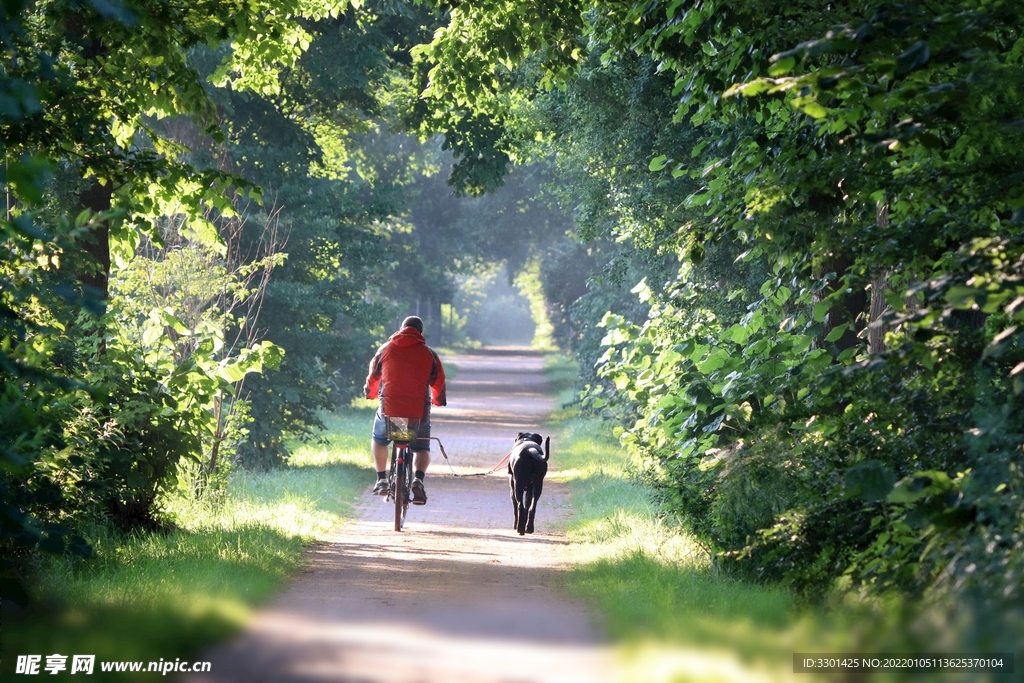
x,y
672,616
151,596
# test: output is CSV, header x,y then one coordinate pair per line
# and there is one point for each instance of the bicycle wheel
x,y
401,487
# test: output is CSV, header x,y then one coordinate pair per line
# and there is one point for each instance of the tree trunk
x,y
436,324
218,438
97,198
852,306
879,286
876,332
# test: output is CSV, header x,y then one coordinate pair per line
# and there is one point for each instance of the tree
x,y
93,428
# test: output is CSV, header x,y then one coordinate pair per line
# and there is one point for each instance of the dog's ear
x,y
536,438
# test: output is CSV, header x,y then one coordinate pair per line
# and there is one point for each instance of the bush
x,y
822,466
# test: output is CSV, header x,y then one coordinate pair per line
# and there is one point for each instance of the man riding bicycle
x,y
407,376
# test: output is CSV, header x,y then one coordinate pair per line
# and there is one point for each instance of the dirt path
x,y
456,597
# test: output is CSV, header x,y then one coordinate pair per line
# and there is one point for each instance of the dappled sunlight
x,y
465,545
673,615
653,662
305,504
676,618
399,650
314,455
181,571
625,532
564,475
344,440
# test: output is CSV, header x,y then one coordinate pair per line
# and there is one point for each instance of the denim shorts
x,y
422,443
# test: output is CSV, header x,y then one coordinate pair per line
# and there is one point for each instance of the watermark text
x,y
32,665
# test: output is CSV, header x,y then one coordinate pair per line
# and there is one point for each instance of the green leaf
x,y
837,332
124,239
270,354
715,361
813,109
152,334
962,296
167,317
920,485
821,309
658,163
698,352
205,233
233,372
751,89
782,67
737,333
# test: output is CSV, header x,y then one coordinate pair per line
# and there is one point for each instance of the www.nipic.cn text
x,y
86,664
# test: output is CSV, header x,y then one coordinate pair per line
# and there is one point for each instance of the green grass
x,y
672,615
149,596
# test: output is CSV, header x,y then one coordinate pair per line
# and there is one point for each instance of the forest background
x,y
784,243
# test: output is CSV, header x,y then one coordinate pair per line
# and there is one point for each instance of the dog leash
x,y
472,474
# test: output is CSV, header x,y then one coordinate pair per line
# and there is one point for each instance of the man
x,y
407,376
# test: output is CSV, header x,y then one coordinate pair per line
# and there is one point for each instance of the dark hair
x,y
414,322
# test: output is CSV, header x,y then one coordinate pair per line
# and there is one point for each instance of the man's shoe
x,y
419,495
381,487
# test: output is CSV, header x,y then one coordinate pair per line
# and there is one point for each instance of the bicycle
x,y
402,432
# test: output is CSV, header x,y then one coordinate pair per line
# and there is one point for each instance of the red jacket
x,y
401,372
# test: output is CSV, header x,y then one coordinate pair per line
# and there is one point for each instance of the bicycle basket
x,y
402,429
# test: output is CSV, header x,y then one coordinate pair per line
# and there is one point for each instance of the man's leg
x,y
380,461
380,455
421,457
420,463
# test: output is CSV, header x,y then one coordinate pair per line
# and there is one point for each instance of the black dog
x,y
527,465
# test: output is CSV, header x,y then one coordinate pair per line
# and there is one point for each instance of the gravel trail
x,y
457,596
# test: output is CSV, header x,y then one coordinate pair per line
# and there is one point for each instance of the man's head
x,y
414,322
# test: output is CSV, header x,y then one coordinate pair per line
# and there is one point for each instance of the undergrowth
x,y
674,615
148,596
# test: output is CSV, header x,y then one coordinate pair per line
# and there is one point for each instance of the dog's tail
x,y
547,448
